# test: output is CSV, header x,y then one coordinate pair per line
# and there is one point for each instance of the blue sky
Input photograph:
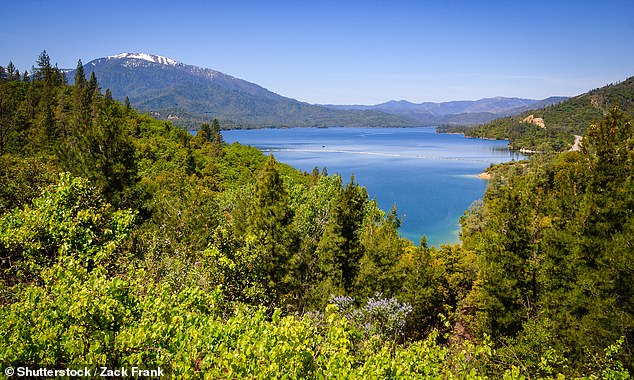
x,y
347,52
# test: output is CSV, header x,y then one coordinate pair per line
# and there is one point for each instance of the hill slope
x,y
561,121
189,95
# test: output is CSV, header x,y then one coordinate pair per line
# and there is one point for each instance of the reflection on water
x,y
432,178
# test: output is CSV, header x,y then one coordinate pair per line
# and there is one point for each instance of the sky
x,y
347,52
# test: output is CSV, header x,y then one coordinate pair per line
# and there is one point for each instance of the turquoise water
x,y
431,177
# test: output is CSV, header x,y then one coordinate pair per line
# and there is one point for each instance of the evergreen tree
x,y
81,102
555,265
44,69
269,230
204,132
607,147
604,269
5,117
211,132
380,268
339,250
91,95
80,76
113,155
508,255
215,135
61,76
12,71
99,148
108,96
93,85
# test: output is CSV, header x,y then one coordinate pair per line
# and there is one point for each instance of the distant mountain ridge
x,y
558,123
190,95
462,112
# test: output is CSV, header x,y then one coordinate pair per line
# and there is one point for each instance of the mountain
x,y
190,95
493,105
554,127
464,112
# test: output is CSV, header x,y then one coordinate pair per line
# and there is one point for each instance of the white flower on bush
x,y
380,316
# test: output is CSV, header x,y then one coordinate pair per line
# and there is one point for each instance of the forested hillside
x,y
127,241
553,128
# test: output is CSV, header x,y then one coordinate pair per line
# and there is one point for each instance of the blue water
x,y
431,177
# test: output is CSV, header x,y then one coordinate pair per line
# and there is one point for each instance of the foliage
x,y
68,219
562,121
22,180
555,267
380,318
340,247
127,240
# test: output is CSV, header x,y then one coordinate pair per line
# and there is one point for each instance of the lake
x,y
431,177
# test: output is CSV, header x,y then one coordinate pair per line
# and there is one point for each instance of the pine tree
x,y
108,96
339,249
380,269
100,149
508,258
81,101
607,147
44,69
268,226
80,76
204,132
605,222
93,85
215,135
11,71
91,95
113,154
211,132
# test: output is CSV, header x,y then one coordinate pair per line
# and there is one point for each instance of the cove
x,y
432,178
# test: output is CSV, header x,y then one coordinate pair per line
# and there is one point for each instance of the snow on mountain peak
x,y
146,57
